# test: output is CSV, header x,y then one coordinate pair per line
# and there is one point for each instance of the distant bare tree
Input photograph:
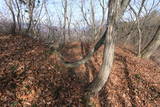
x,y
153,45
137,15
97,31
9,4
65,17
30,6
18,15
142,17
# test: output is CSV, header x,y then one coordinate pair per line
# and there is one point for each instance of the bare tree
x,y
9,4
84,15
153,45
97,32
102,4
115,11
65,17
31,6
33,10
143,20
18,15
93,23
137,15
69,23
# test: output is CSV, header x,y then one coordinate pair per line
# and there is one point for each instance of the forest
x,y
79,53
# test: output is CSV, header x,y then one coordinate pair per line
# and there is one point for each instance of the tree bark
x,y
115,11
103,75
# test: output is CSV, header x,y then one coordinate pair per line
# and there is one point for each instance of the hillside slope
x,y
31,76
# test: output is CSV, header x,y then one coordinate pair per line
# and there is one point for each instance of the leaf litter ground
x,y
31,75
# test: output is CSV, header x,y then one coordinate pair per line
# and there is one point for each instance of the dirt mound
x,y
31,76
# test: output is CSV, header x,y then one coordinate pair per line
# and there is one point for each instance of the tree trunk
x,y
30,21
115,11
152,45
31,6
18,16
13,29
140,38
13,26
97,84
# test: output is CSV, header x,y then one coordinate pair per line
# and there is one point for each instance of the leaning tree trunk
x,y
103,75
115,10
152,45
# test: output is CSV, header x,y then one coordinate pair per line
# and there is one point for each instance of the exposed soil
x,y
31,75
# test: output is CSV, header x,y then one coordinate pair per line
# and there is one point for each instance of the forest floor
x,y
32,76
